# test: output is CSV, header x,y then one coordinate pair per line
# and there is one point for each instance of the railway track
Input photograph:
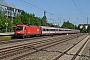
x,y
21,40
15,42
30,48
73,52
19,51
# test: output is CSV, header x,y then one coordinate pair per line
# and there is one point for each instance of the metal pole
x,y
87,26
6,21
87,20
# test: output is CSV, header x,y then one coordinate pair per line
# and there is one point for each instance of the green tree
x,y
44,21
10,24
5,22
88,29
17,20
2,22
83,30
68,25
32,19
38,21
24,17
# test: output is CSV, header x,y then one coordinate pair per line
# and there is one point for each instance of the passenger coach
x,y
52,30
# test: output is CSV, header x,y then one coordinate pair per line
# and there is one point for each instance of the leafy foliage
x,y
4,21
44,22
17,20
88,29
68,25
26,18
83,30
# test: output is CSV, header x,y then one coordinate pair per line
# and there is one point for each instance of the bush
x,y
3,30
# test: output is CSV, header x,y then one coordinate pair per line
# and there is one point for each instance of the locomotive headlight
x,y
18,32
37,29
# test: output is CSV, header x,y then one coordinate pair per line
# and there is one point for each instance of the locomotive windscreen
x,y
19,28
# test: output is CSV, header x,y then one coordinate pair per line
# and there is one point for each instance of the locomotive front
x,y
20,31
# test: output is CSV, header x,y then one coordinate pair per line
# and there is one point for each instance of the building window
x,y
19,11
0,8
8,8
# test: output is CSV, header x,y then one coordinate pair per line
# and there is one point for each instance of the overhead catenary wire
x,y
32,5
40,8
37,7
59,15
80,7
77,8
50,6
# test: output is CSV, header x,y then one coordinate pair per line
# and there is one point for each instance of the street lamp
x,y
6,26
6,20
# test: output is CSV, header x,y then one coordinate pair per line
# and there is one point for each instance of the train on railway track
x,y
23,30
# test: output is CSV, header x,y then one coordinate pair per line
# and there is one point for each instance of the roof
x,y
83,24
47,27
8,5
65,29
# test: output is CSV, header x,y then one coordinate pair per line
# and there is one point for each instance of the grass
x,y
5,37
87,59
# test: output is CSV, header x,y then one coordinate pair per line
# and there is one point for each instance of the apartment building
x,y
9,10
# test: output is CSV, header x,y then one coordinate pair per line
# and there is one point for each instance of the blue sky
x,y
58,11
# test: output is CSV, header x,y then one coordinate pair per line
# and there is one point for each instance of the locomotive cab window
x,y
19,28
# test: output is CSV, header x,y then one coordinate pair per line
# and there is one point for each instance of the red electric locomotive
x,y
26,30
